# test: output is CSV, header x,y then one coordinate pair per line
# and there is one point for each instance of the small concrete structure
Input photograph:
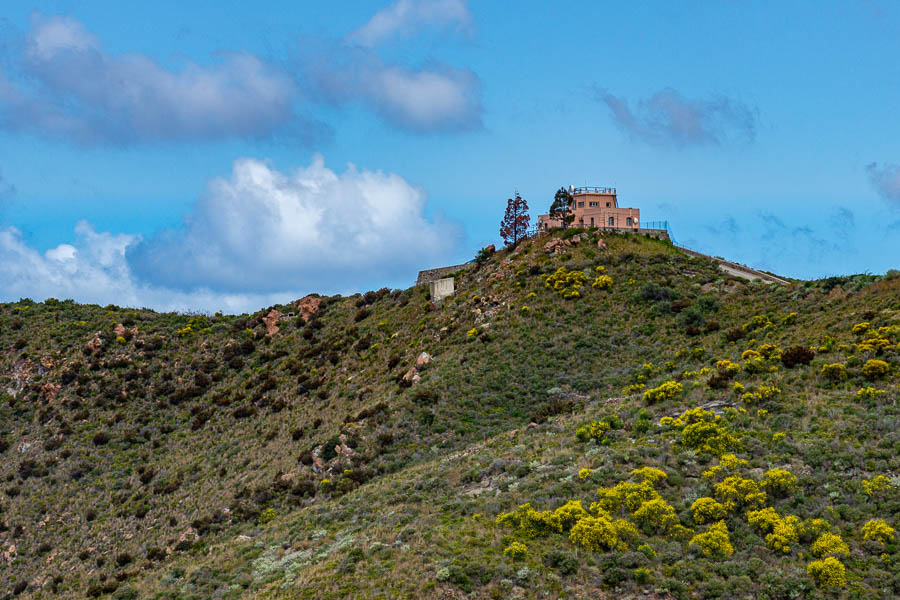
x,y
429,275
441,288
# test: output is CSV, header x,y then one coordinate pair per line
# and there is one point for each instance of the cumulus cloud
x,y
405,17
668,118
256,238
264,230
433,98
94,270
885,178
69,87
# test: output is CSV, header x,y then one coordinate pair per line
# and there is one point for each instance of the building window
x,y
607,205
581,205
592,221
612,222
594,204
628,221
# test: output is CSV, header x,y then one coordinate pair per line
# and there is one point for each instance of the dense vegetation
x,y
621,422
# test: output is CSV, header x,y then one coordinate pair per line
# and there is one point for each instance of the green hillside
x,y
620,422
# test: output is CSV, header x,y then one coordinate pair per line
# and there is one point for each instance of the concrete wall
x,y
441,288
429,275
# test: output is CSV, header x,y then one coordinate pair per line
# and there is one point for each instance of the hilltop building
x,y
595,207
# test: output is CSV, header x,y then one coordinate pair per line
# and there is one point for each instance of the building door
x,y
592,221
612,222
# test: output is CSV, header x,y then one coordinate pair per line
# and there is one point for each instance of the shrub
x,y
779,482
706,510
656,514
602,282
834,372
714,542
516,550
878,530
828,572
728,368
562,561
797,355
592,431
566,283
860,328
649,474
781,531
666,391
595,533
875,369
709,437
829,543
735,491
876,486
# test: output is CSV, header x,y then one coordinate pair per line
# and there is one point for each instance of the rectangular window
x,y
581,205
612,222
628,221
592,221
593,204
607,205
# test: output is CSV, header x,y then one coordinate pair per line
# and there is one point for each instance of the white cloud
x,y
405,17
70,88
667,117
885,179
256,238
434,98
94,270
311,229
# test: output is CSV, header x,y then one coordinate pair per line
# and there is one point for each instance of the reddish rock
x,y
423,360
271,320
490,249
307,307
601,244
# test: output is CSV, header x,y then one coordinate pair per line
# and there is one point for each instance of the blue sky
x,y
233,155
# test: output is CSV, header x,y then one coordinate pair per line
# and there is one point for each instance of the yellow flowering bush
x,y
878,530
709,437
861,328
706,510
779,482
595,533
625,493
532,523
728,368
780,531
829,543
516,550
602,282
737,491
868,393
585,473
828,572
650,474
874,369
666,391
566,282
656,514
877,485
594,430
750,354
714,542
769,351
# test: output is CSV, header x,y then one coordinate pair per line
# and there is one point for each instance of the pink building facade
x,y
595,207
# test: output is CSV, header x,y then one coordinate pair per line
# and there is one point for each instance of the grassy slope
x,y
199,484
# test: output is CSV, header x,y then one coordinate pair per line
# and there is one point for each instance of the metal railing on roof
x,y
593,190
